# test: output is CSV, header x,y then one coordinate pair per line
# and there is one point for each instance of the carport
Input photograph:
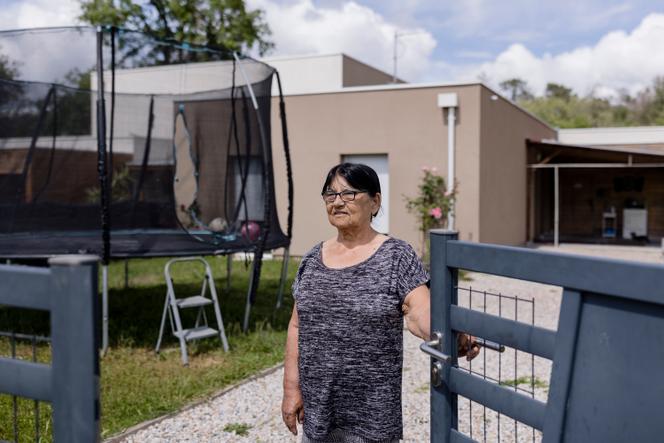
x,y
594,194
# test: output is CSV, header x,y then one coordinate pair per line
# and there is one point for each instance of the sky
x,y
594,46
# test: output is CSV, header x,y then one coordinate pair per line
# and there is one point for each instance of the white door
x,y
378,163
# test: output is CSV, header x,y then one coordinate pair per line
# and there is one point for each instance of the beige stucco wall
x,y
503,183
406,124
356,73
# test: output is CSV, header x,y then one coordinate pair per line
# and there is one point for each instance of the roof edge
x,y
521,108
613,129
624,150
404,86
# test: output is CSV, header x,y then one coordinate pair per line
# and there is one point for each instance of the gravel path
x,y
255,405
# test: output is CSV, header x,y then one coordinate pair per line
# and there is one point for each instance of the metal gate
x,y
607,353
68,291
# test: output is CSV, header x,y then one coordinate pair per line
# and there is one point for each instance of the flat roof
x,y
342,55
628,135
406,86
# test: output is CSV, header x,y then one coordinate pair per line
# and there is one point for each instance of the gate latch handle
x,y
432,348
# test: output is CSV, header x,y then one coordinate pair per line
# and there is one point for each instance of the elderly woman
x,y
342,372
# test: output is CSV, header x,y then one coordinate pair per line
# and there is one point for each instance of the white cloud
x,y
39,13
619,60
300,27
44,56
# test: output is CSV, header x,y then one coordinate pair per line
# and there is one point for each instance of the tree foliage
x,y
516,89
225,25
563,108
8,68
8,71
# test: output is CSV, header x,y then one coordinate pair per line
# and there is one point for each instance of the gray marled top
x,y
350,341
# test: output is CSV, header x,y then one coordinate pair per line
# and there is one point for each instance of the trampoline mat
x,y
128,244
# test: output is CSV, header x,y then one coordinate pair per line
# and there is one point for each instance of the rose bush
x,y
431,206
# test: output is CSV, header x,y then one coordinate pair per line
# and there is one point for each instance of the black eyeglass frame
x,y
326,195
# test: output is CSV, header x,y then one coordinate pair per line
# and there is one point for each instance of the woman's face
x,y
351,214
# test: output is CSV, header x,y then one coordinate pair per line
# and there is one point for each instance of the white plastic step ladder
x,y
172,306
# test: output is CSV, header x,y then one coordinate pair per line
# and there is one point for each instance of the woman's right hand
x,y
292,409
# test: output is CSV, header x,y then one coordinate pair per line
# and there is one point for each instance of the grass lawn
x,y
136,383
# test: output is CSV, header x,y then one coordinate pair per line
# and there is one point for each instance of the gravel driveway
x,y
255,405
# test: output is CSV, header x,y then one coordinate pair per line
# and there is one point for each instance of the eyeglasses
x,y
346,195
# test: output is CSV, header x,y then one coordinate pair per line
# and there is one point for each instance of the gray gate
x,y
68,291
608,351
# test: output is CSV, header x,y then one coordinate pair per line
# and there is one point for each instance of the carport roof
x,y
553,154
640,150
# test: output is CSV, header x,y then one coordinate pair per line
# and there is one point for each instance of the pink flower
x,y
434,169
426,169
436,213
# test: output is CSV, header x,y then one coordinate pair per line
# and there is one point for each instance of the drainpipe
x,y
450,101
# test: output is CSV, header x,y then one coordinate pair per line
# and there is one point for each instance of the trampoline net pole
x,y
289,167
267,183
101,150
104,309
284,274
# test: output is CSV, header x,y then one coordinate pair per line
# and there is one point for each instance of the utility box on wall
x,y
635,223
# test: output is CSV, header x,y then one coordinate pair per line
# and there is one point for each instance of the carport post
x,y
443,295
556,202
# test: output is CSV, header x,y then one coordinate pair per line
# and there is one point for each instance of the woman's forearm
x,y
291,372
419,323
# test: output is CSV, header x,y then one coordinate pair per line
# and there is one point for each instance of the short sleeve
x,y
296,282
295,287
410,272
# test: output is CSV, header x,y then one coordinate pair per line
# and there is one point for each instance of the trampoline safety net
x,y
117,144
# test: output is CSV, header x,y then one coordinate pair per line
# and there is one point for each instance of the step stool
x,y
172,306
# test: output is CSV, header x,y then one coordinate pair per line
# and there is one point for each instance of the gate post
x,y
443,294
75,342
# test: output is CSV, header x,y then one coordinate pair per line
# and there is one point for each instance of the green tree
x,y
517,89
225,25
562,108
559,91
576,112
10,95
648,106
8,71
73,105
8,68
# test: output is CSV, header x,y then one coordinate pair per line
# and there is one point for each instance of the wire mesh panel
x,y
74,162
22,419
505,366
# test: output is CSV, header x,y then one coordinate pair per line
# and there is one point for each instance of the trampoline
x,y
115,143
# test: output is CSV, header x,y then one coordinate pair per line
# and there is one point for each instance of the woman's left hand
x,y
467,346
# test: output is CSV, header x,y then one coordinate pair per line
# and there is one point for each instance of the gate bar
x,y
600,275
16,293
25,379
518,406
524,337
